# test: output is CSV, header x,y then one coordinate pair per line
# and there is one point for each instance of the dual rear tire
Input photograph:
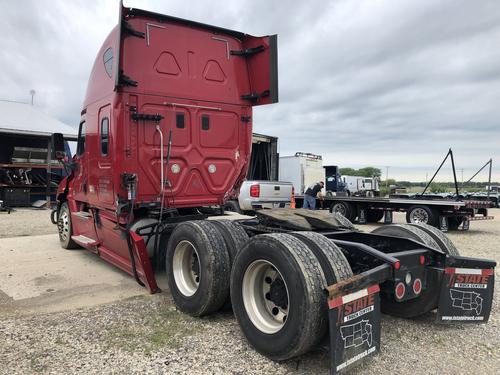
x,y
277,291
276,281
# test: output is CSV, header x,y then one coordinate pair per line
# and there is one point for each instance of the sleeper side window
x,y
108,61
80,147
179,120
104,136
205,122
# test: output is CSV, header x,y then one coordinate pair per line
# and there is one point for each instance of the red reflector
x,y
400,290
422,259
255,191
417,286
397,265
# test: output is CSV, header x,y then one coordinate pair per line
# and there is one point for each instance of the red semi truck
x,y
165,138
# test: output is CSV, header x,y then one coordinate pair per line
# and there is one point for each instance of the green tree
x,y
369,172
437,188
348,171
362,172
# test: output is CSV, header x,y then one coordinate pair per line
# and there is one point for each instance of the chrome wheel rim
x,y
63,225
339,208
186,268
419,215
265,296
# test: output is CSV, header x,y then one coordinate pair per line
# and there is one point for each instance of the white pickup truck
x,y
255,195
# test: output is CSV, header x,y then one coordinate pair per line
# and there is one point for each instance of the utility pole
x,y
386,176
32,93
462,171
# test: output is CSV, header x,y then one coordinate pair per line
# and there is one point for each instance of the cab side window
x,y
80,148
104,136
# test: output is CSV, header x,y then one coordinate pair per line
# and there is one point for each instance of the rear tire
x,y
422,214
454,222
441,239
332,260
374,216
277,294
429,297
234,236
65,228
198,267
346,209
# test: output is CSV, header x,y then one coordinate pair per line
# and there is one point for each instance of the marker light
x,y
417,286
400,290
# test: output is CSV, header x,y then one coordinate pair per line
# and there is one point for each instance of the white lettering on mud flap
x,y
354,327
466,295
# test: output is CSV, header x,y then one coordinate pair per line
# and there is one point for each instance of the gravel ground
x,y
147,335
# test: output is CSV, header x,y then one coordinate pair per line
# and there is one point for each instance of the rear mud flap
x,y
466,295
354,327
142,263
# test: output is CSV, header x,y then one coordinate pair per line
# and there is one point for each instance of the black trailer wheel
x,y
65,228
342,220
429,297
232,206
277,291
454,222
441,239
198,267
422,214
332,260
346,209
374,216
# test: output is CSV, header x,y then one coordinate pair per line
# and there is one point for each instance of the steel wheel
x,y
419,215
186,268
265,296
340,208
63,226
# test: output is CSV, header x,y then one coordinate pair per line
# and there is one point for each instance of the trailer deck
x,y
442,213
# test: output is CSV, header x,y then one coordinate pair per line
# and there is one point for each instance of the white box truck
x,y
302,170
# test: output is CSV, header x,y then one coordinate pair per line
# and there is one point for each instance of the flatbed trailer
x,y
441,213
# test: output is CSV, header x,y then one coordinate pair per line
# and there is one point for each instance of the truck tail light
x,y
400,290
417,286
422,259
255,191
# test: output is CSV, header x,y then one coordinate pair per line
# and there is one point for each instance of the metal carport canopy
x,y
25,119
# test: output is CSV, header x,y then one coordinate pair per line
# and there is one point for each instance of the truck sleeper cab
x,y
166,133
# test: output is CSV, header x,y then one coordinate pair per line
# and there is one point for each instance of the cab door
x,y
82,216
102,162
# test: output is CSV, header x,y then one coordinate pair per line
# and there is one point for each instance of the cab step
x,y
85,241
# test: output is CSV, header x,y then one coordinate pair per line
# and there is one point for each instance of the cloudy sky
x,y
381,83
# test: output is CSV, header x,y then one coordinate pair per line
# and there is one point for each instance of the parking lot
x,y
66,311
